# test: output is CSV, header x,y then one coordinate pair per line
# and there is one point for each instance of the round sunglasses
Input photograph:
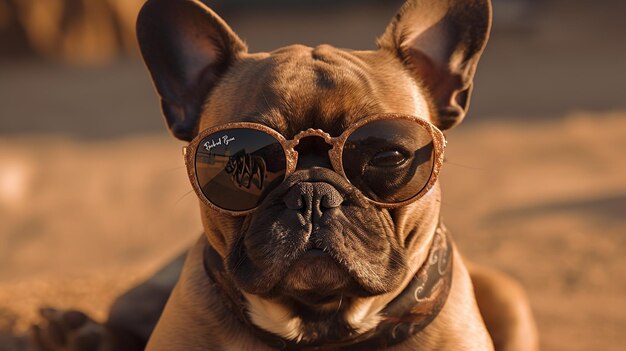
x,y
391,159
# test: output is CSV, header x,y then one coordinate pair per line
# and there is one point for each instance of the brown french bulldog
x,y
316,172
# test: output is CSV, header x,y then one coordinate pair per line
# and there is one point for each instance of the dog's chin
x,y
317,280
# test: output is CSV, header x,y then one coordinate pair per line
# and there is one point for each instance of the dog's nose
x,y
316,197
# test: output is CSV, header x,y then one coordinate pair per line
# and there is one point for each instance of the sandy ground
x,y
84,220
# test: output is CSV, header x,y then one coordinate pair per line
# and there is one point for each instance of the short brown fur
x,y
205,77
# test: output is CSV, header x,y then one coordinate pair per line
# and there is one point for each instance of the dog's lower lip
x,y
315,252
318,299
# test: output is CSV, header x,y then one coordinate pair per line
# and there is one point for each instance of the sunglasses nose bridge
x,y
312,133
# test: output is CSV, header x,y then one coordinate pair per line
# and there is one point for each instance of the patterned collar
x,y
407,314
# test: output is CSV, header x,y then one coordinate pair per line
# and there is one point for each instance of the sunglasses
x,y
391,159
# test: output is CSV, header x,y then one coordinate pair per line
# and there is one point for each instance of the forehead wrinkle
x,y
329,94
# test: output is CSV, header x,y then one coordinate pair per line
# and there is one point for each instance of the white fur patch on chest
x,y
364,315
273,317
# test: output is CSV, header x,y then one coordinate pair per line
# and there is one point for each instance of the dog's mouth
x,y
316,279
317,269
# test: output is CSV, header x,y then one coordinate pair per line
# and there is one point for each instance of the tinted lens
x,y
237,167
390,161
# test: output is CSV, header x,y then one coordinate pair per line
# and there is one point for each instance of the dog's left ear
x,y
440,42
187,48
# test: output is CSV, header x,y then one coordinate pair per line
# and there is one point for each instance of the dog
x,y
324,238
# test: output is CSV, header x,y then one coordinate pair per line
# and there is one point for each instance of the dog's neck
x,y
407,314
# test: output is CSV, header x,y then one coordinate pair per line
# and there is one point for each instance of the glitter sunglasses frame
x,y
335,154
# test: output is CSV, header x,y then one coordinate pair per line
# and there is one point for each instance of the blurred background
x,y
94,196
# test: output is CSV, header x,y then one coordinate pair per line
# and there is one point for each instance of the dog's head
x,y
314,244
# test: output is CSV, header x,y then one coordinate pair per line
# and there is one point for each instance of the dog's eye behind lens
x,y
391,158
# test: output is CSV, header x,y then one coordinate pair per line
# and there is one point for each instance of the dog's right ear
x,y
187,48
440,43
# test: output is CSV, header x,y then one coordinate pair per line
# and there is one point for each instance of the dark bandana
x,y
410,312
